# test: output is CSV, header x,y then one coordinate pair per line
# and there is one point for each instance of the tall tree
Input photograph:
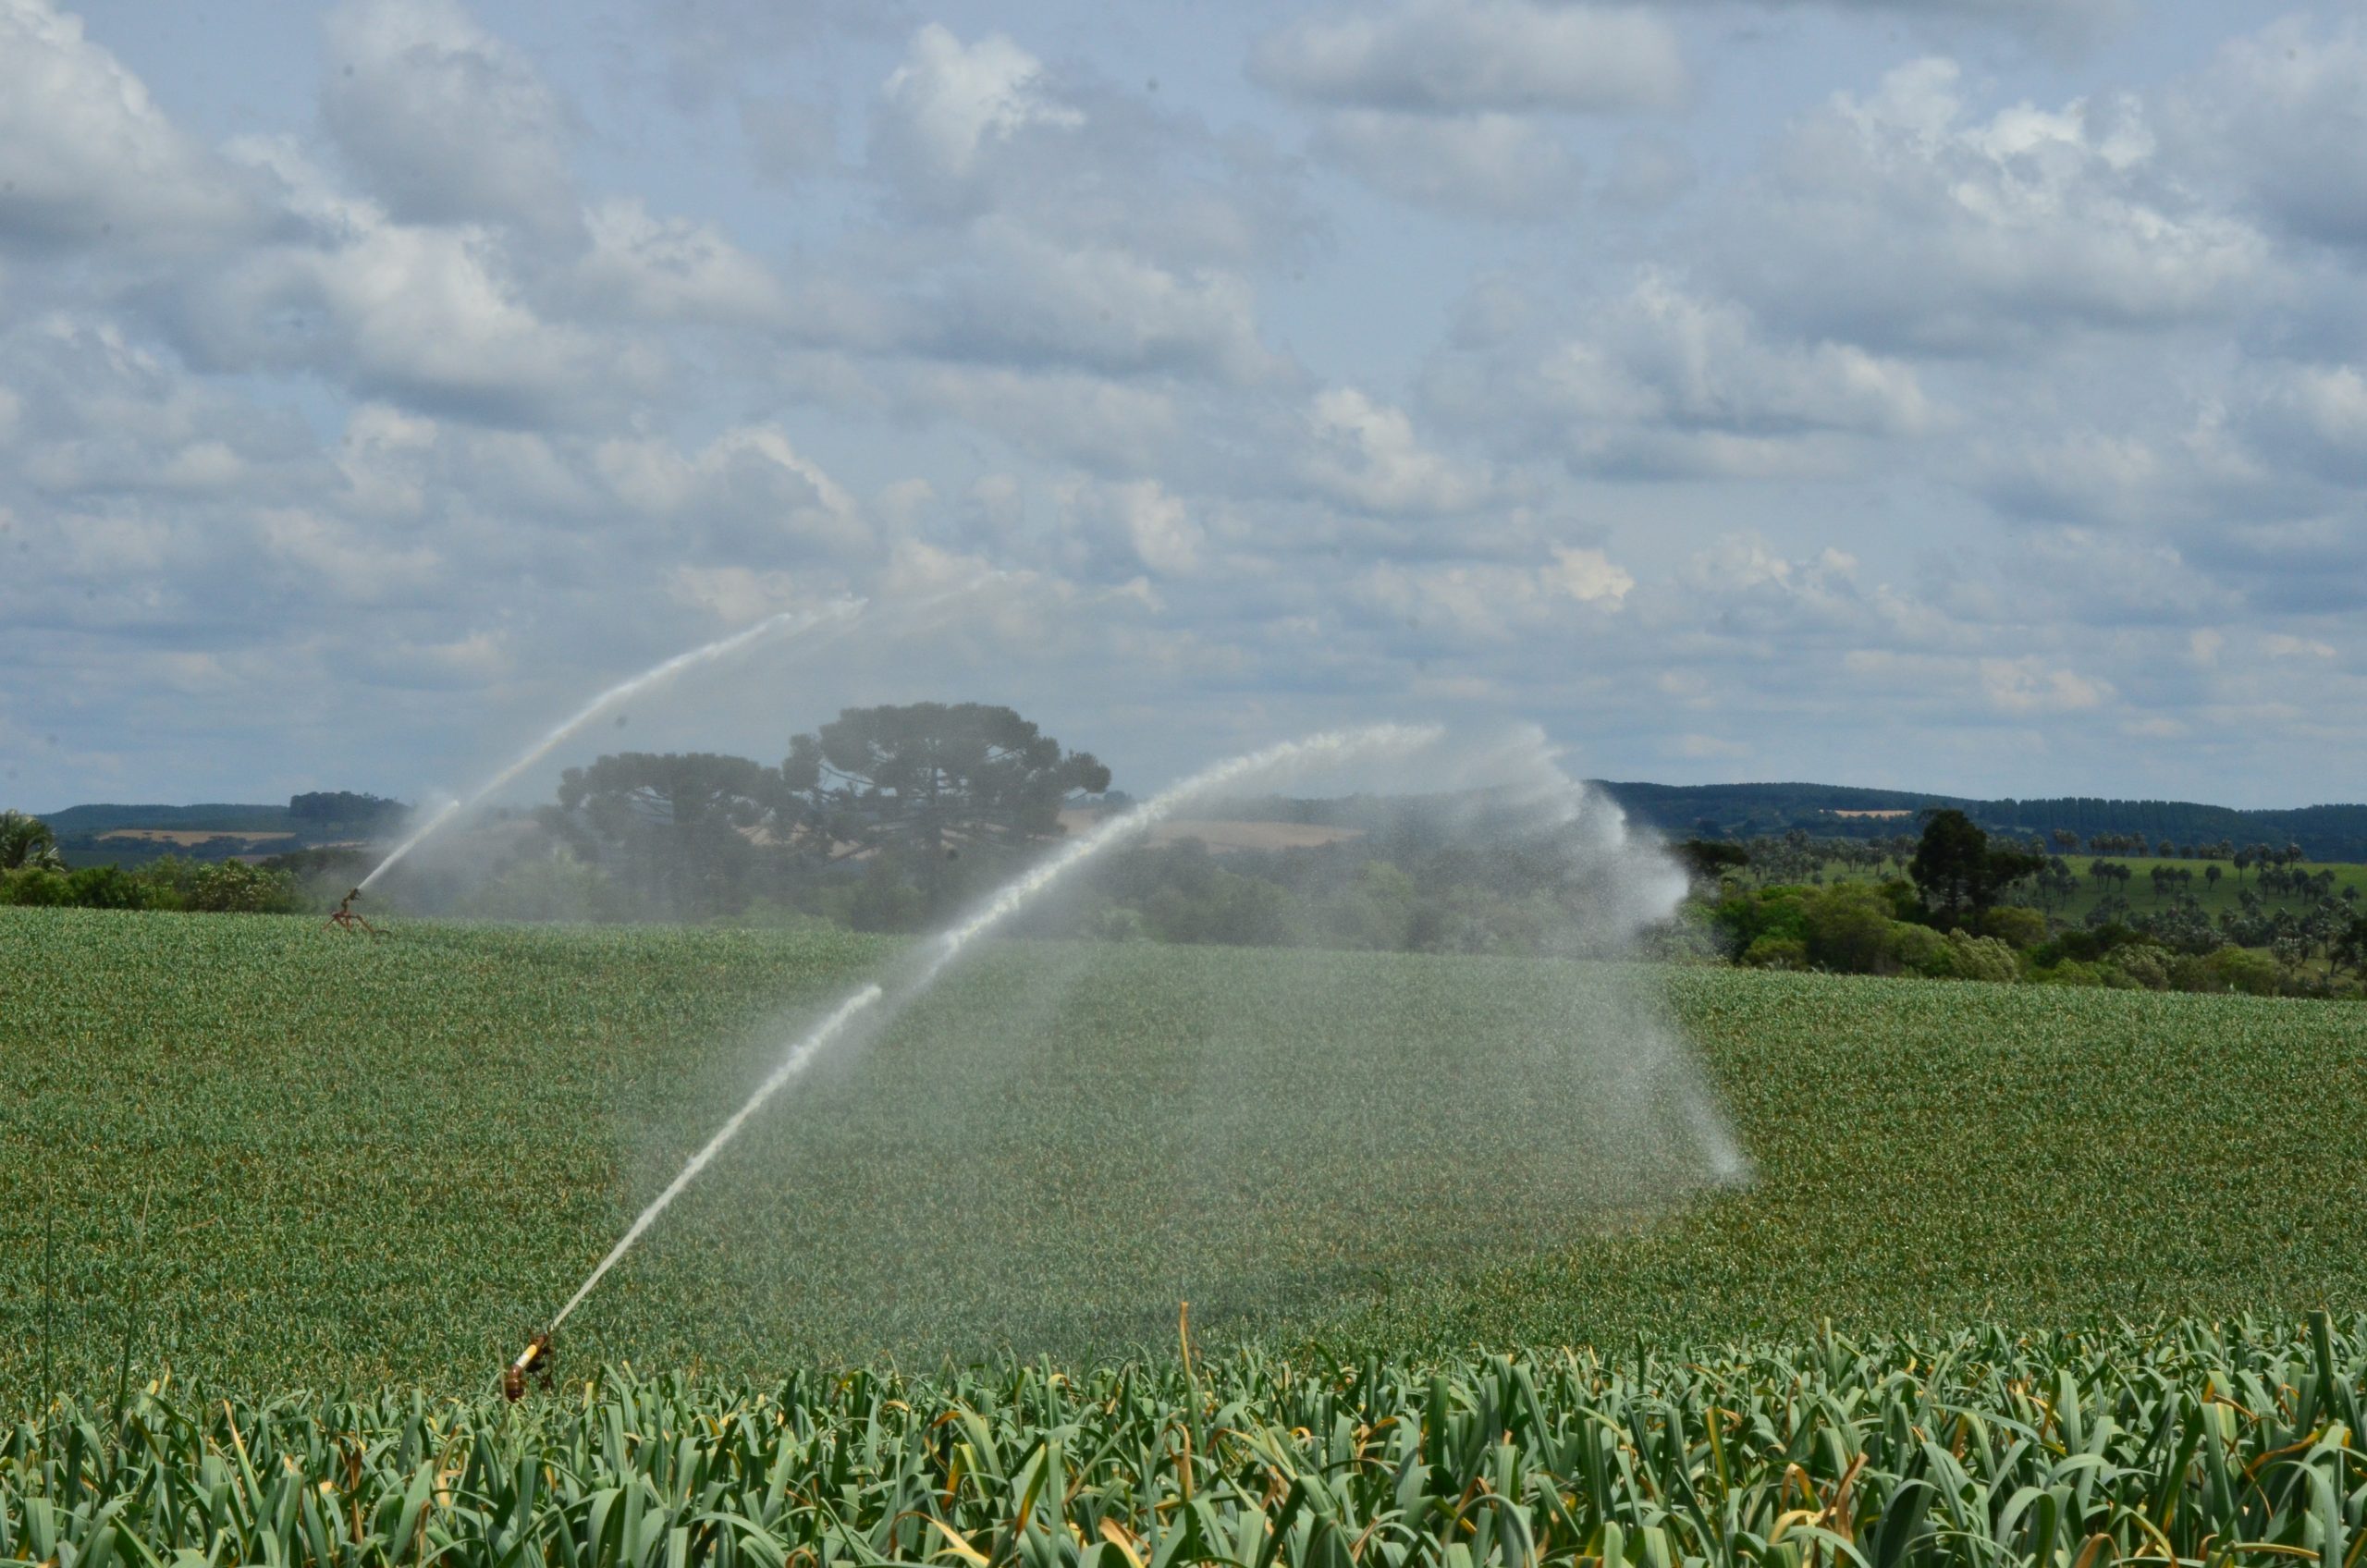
x,y
1957,873
932,779
681,836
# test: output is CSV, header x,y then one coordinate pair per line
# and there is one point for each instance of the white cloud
x,y
2280,646
1663,380
736,595
346,561
429,315
748,494
673,269
1022,299
1902,219
87,158
1493,602
1514,55
2280,117
1160,528
1367,455
949,98
2027,685
445,122
1489,164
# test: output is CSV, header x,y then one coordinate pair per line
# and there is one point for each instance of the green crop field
x,y
273,1155
2190,1445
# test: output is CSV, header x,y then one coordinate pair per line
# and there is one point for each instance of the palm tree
x,y
26,843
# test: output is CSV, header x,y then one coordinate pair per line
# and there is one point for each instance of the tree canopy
x,y
933,777
1957,872
678,831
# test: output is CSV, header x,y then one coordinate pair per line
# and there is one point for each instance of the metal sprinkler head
x,y
536,1356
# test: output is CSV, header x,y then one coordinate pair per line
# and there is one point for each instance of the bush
x,y
1983,958
2016,925
2071,972
2141,965
2229,969
1776,952
232,887
35,888
106,886
1918,950
1849,929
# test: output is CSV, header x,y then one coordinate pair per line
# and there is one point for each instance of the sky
x,y
1965,396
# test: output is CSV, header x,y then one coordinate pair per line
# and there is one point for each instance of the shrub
x,y
1918,950
1849,929
1776,952
36,886
2017,925
232,887
106,886
1983,958
2141,964
2229,969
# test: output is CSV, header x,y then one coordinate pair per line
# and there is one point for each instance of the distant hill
x,y
1741,810
133,835
129,835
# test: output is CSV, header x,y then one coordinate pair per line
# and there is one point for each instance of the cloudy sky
x,y
1967,396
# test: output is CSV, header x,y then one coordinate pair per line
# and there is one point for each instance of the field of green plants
x,y
274,1157
2185,1445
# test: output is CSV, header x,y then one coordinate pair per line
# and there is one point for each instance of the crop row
x,y
2189,1444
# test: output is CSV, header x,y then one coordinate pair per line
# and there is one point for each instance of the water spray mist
x,y
876,1006
789,622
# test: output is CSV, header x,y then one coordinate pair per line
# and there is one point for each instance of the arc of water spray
x,y
788,622
1315,751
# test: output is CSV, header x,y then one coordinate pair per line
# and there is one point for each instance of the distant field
x,y
187,836
2214,898
275,1151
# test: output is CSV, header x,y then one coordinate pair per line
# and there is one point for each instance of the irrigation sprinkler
x,y
344,917
536,1357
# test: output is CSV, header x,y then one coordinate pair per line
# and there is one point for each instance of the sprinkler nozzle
x,y
513,1377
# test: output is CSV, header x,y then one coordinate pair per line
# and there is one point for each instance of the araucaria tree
x,y
928,781
1956,871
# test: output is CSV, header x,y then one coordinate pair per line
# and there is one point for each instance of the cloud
x,y
2277,118
948,99
1899,219
672,269
87,158
1663,380
433,316
2315,415
2028,685
1017,298
445,122
1487,165
1492,602
1367,455
1127,528
1433,56
748,495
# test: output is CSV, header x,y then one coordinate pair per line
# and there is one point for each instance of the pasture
x,y
268,1154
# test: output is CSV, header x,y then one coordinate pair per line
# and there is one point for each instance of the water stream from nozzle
x,y
875,1005
789,622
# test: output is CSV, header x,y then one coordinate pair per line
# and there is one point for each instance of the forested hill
x,y
2325,833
